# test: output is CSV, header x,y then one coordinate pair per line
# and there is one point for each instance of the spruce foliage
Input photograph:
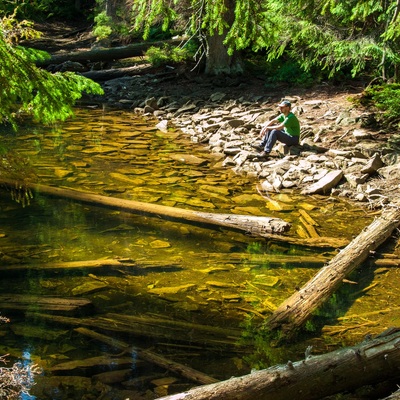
x,y
329,35
28,91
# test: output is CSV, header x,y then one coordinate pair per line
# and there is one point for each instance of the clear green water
x,y
181,273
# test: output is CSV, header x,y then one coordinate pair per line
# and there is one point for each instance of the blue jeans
x,y
271,137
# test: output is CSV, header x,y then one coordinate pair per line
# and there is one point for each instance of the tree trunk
x,y
315,377
295,311
258,226
218,60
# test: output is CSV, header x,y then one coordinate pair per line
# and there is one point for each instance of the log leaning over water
x,y
249,224
315,377
297,309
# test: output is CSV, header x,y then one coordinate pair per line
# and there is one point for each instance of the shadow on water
x,y
184,292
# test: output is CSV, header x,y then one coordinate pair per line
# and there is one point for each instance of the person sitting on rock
x,y
285,128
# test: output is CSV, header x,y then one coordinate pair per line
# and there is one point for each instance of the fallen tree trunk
x,y
295,311
312,378
257,226
151,357
106,54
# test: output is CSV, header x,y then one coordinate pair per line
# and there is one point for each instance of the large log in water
x,y
297,309
315,377
257,226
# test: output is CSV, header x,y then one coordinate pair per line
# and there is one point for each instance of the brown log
x,y
107,54
257,226
297,309
20,302
315,377
151,357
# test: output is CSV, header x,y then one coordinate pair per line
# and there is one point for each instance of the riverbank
x,y
340,154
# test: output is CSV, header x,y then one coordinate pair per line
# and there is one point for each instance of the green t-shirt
x,y
291,123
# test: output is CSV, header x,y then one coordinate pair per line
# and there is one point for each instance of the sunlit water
x,y
175,271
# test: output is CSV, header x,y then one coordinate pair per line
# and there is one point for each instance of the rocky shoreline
x,y
338,155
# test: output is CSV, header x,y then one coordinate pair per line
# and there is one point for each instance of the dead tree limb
x,y
297,309
315,377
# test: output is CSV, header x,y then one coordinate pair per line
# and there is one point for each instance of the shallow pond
x,y
190,294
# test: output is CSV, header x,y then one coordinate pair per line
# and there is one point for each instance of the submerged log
x,y
257,226
21,302
117,264
315,377
297,309
95,363
157,328
151,357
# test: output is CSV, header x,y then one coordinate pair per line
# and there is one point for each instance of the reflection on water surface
x,y
176,290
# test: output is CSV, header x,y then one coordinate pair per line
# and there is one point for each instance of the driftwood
x,y
257,226
107,54
20,302
315,377
149,356
295,311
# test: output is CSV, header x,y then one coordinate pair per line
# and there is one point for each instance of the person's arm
x,y
270,125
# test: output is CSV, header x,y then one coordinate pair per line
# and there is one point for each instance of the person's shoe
x,y
263,155
257,147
